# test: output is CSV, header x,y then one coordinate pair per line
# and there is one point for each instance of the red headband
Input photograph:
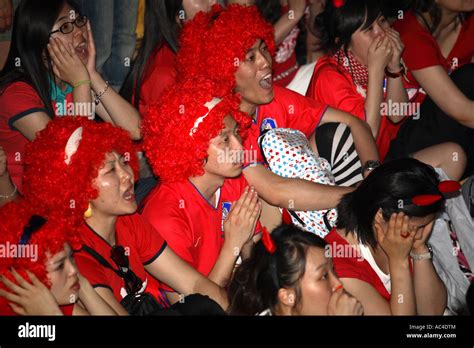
x,y
268,242
444,187
338,3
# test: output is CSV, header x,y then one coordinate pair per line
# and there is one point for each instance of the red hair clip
x,y
268,242
338,3
447,186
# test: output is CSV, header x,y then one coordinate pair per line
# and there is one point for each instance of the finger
x,y
34,280
334,299
256,238
60,50
12,286
20,280
10,296
62,47
238,205
391,224
17,309
404,231
60,59
252,206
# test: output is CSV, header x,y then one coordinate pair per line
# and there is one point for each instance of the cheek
x,y
316,298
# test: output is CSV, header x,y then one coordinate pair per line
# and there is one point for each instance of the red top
x,y
17,101
159,74
67,309
422,51
142,244
192,226
287,110
333,85
353,267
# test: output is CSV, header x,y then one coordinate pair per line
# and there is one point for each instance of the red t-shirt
x,y
159,74
287,110
192,227
143,245
422,51
333,85
353,267
17,101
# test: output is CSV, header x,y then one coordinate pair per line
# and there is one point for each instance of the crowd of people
x,y
267,157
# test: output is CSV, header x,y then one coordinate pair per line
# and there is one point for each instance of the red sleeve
x,y
332,87
91,270
301,113
19,100
171,224
150,244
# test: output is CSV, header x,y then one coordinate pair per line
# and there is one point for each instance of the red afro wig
x,y
176,136
212,44
51,183
26,238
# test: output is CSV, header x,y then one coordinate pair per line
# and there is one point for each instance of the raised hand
x,y
397,48
397,239
91,59
419,243
29,298
243,216
380,53
343,303
67,66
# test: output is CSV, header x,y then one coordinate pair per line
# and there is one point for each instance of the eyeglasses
x,y
133,284
68,27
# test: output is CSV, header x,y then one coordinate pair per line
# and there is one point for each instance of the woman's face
x,y
362,39
254,81
115,184
78,38
63,275
192,7
225,153
317,284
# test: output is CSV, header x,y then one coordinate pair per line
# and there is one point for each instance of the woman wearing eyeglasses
x,y
94,166
50,72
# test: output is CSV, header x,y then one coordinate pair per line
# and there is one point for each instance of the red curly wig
x,y
52,184
175,154
18,232
212,44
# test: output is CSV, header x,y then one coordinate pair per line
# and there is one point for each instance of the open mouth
x,y
129,194
81,49
266,82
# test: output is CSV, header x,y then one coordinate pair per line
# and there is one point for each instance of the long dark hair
x,y
161,28
30,35
390,187
335,26
270,9
431,8
255,284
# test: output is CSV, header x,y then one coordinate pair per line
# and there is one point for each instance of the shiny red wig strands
x,y
172,152
52,184
213,44
50,237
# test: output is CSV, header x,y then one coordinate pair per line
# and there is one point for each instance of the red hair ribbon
x,y
268,242
448,186
338,3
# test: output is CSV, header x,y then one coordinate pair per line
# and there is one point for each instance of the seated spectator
x,y
203,206
288,273
121,254
205,52
438,55
364,53
44,279
50,72
383,229
154,68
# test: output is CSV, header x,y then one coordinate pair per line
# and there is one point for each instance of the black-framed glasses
x,y
68,27
133,284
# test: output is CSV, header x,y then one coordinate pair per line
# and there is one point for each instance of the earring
x,y
88,212
291,299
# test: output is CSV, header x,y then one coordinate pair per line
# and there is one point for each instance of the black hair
x,y
255,284
270,9
161,28
32,24
391,188
335,26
